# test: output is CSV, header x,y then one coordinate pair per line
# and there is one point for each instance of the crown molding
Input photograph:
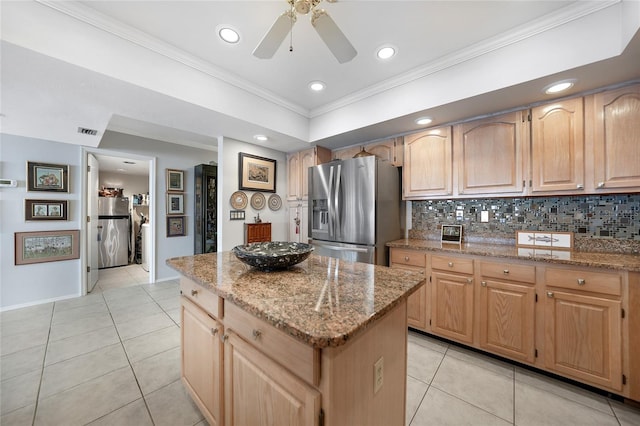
x,y
142,39
548,22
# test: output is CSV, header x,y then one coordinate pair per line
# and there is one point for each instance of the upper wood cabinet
x,y
557,147
613,119
490,155
298,165
427,164
387,150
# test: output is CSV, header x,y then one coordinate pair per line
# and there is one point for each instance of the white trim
x,y
39,302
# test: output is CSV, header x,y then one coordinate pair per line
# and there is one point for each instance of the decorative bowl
x,y
273,255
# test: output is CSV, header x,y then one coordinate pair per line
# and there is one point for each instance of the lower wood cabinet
x,y
202,360
257,232
417,309
261,392
578,322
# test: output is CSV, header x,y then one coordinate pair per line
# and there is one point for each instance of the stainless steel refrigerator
x,y
114,231
354,209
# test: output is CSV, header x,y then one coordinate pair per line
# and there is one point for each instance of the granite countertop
x,y
322,301
629,262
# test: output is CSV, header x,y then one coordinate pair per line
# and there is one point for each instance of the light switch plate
x,y
484,216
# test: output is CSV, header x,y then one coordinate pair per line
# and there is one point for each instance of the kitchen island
x,y
323,342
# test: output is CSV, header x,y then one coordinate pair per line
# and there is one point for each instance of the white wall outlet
x,y
378,375
484,216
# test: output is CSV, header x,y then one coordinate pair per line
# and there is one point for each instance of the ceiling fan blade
x,y
275,36
335,39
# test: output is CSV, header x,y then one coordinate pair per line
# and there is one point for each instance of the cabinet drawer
x,y
301,359
508,271
597,282
452,264
202,297
408,257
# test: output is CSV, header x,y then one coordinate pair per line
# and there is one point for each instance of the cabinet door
x,y
427,164
307,159
258,391
583,338
201,362
557,141
304,222
293,176
416,303
384,150
490,155
345,153
452,306
617,138
295,222
507,319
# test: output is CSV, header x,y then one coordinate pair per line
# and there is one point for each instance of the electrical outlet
x,y
378,375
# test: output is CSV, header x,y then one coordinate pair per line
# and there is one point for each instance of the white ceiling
x,y
157,68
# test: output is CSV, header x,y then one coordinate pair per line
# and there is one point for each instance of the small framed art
x,y
46,246
451,233
176,226
175,204
175,180
47,177
46,210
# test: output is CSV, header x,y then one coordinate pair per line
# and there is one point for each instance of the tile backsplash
x,y
599,222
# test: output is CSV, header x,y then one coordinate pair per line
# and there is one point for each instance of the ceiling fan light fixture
x,y
559,86
228,34
423,121
386,52
317,86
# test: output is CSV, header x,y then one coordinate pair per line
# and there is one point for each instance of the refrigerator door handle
x,y
331,212
336,203
339,248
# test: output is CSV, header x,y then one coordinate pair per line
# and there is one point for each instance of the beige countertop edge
x,y
316,341
627,262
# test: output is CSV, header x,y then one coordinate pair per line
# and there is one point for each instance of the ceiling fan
x,y
329,32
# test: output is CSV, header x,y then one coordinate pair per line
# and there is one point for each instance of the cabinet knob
x,y
225,337
506,271
580,186
256,334
450,264
214,331
194,292
483,283
406,258
581,281
469,280
549,294
600,184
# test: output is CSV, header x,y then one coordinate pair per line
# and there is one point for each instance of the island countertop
x,y
629,262
322,301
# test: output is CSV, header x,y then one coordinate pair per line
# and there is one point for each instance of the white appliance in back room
x,y
114,231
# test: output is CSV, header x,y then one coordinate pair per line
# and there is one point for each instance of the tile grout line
x,y
429,384
44,358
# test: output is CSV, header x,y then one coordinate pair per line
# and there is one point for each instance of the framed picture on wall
x,y
175,204
175,180
46,210
46,246
47,177
176,226
256,173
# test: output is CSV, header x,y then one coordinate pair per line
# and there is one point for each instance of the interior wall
x,y
131,184
231,232
21,285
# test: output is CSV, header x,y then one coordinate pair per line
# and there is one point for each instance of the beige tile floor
x,y
113,358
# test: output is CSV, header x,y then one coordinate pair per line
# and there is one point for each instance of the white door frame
x,y
84,202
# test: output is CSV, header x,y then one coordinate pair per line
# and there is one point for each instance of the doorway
x,y
119,207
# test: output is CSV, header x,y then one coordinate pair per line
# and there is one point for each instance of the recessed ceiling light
x,y
559,86
120,170
386,52
261,138
423,121
317,86
229,35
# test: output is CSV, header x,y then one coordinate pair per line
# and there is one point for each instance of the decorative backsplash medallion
x,y
599,222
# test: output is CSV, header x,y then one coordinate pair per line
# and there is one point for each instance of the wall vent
x,y
85,131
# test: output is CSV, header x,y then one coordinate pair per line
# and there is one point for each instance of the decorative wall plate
x,y
239,200
275,202
258,201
